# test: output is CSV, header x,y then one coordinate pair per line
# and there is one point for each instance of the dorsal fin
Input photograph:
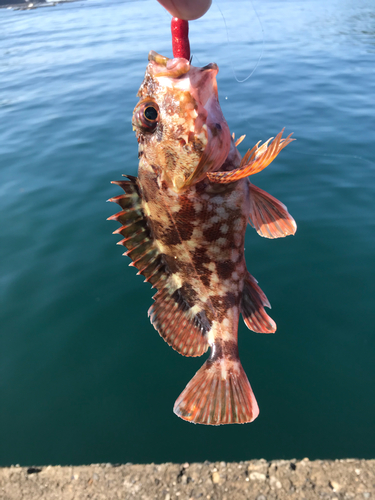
x,y
181,326
137,237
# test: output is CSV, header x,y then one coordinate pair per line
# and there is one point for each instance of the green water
x,y
84,377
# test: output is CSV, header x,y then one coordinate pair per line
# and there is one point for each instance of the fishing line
x,y
333,155
262,50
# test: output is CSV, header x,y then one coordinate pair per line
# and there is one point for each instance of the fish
x,y
183,222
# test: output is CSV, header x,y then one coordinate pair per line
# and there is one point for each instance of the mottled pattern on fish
x,y
184,220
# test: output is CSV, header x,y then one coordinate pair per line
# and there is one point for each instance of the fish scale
x,y
183,222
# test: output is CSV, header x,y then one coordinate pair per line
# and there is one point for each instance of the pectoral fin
x,y
255,160
269,216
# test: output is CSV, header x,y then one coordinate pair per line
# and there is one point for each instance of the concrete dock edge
x,y
250,480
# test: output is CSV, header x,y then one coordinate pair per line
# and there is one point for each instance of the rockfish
x,y
183,222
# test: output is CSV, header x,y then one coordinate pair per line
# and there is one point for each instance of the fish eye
x,y
151,113
146,116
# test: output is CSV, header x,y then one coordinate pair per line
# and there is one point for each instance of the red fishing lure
x,y
180,38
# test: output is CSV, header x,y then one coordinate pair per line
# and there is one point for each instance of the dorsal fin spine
x,y
139,251
147,258
171,315
151,267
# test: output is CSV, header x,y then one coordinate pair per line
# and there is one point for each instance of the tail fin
x,y
219,393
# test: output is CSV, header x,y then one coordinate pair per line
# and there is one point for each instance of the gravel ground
x,y
257,479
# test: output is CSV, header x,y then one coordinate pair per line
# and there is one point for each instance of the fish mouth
x,y
163,66
158,58
174,68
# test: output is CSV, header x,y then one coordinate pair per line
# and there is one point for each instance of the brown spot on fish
x,y
200,258
203,321
219,306
212,233
184,219
231,299
169,236
190,295
230,350
185,229
222,303
225,269
216,352
227,351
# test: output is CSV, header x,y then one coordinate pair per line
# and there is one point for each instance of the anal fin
x,y
269,216
219,393
177,323
252,307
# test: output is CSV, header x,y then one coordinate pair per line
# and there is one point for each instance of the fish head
x,y
180,127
